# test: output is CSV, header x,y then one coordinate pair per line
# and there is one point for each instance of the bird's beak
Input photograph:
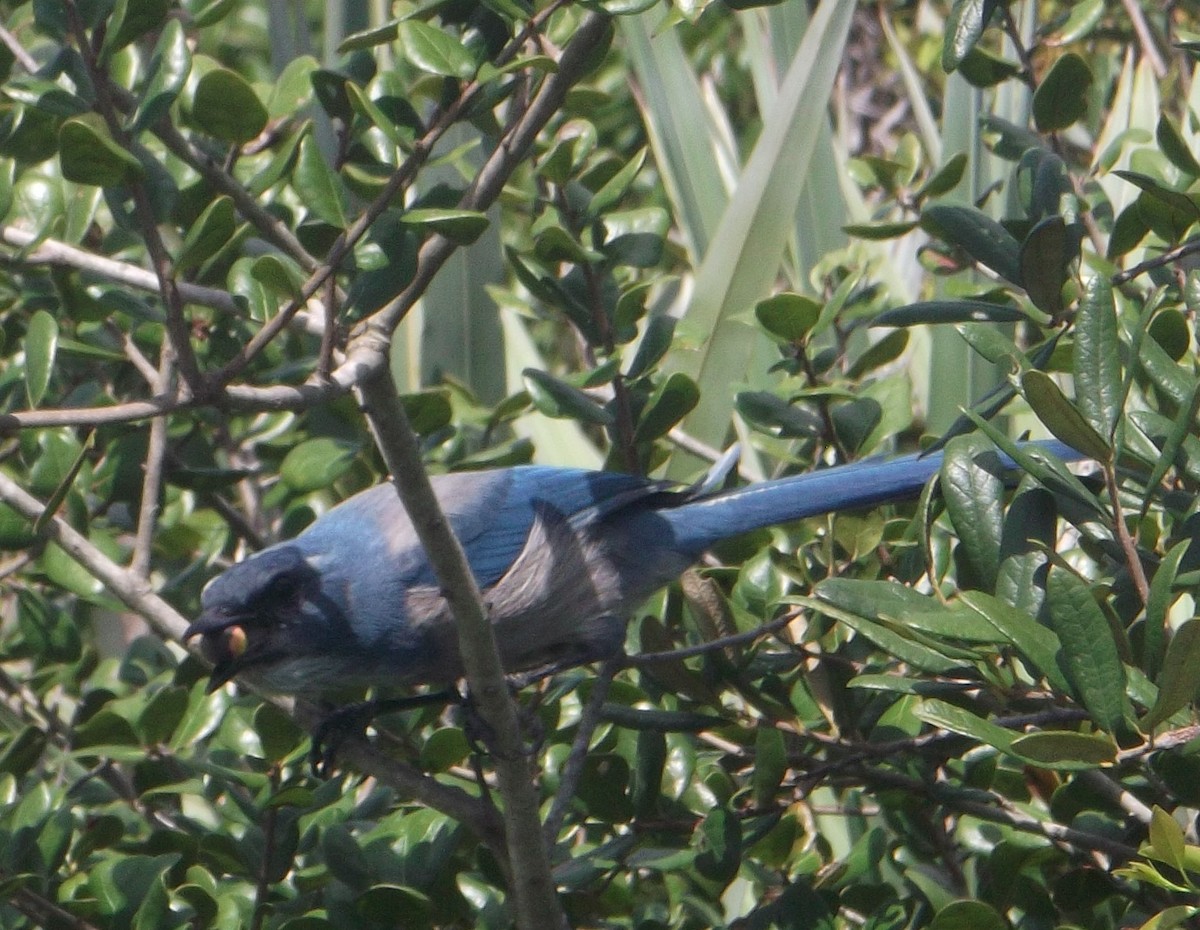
x,y
223,643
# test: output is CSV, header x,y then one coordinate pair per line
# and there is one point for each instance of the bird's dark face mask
x,y
248,610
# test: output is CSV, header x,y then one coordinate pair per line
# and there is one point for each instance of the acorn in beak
x,y
223,643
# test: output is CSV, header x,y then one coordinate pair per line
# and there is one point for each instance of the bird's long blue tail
x,y
709,519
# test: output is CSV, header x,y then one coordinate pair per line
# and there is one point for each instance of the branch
x,y
536,902
134,592
53,252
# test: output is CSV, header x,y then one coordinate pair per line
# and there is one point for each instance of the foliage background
x,y
610,234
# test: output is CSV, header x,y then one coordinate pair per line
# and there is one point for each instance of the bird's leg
x,y
351,720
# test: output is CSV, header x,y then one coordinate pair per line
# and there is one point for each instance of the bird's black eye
x,y
284,589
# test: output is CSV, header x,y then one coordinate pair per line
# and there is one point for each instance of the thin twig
x,y
572,769
1145,37
1132,560
152,479
1166,258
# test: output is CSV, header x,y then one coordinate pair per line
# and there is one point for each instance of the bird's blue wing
x,y
491,513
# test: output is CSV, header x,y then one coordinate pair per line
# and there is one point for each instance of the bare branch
x,y
53,252
533,887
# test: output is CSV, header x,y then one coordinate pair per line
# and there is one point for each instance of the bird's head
x,y
260,615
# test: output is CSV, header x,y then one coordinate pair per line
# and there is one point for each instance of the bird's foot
x,y
344,723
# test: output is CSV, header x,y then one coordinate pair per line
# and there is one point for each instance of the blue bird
x,y
562,555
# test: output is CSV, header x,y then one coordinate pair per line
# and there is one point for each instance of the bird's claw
x,y
347,722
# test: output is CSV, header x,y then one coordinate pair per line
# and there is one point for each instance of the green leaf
x,y
558,399
719,842
1065,748
946,178
671,401
972,484
277,275
318,186
208,235
772,414
1096,360
636,237
1038,645
1061,417
170,65
964,26
1175,147
968,915
435,51
983,68
880,231
1089,653
461,227
788,317
1158,605
1084,17
770,764
41,344
946,716
161,715
22,752
316,463
132,19
381,903
1046,255
227,107
978,235
615,187
949,311
293,88
1062,96
1177,683
89,155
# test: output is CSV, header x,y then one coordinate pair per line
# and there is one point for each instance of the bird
x,y
563,557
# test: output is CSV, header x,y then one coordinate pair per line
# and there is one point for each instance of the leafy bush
x,y
610,234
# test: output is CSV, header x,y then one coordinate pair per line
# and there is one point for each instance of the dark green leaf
x,y
461,227
1061,417
1046,255
1177,684
317,184
1096,360
131,19
1175,147
41,345
978,235
1065,748
949,311
89,155
983,68
789,317
170,66
1061,98
435,51
972,484
225,106
671,401
316,464
208,235
1039,645
556,398
968,915
964,26
1089,653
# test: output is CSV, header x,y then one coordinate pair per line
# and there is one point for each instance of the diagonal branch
x,y
532,884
